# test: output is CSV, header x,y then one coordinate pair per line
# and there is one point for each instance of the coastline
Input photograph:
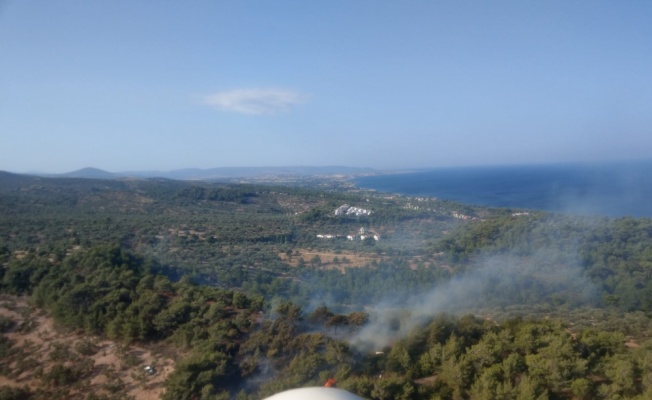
x,y
610,190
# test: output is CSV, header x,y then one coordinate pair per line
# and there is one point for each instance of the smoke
x,y
493,281
610,189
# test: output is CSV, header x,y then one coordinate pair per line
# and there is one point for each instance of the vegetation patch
x,y
328,259
53,361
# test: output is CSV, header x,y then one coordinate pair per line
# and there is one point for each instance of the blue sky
x,y
144,85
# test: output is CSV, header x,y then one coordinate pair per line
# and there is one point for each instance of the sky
x,y
127,85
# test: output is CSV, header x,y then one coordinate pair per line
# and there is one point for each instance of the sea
x,y
615,189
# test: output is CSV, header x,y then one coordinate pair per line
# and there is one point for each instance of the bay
x,y
610,189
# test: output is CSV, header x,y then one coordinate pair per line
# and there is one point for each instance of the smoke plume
x,y
495,281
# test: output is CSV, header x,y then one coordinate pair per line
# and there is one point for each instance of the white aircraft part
x,y
315,393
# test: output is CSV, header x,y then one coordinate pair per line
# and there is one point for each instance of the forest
x,y
258,288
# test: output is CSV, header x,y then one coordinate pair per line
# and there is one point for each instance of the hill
x,y
252,172
11,181
91,173
225,173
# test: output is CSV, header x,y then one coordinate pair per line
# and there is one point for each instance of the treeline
x,y
478,359
233,194
615,254
108,291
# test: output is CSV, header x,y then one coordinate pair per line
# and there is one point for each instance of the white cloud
x,y
256,101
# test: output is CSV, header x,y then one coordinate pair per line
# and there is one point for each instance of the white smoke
x,y
495,281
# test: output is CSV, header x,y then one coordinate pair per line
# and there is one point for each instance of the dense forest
x,y
262,288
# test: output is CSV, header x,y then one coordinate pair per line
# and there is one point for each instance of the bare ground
x,y
109,367
353,260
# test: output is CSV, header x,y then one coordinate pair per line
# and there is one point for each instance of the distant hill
x,y
219,173
91,173
11,181
248,172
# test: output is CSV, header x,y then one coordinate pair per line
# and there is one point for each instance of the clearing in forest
x,y
343,259
329,259
42,357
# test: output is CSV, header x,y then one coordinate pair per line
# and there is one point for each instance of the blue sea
x,y
614,189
